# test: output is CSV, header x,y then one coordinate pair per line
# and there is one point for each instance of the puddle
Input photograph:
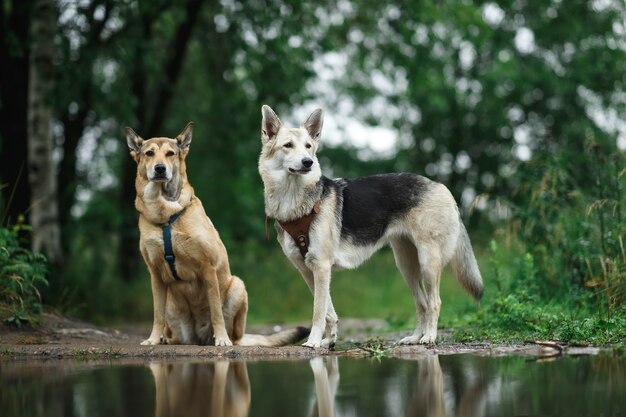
x,y
431,385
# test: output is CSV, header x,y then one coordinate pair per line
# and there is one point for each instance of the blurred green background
x,y
517,106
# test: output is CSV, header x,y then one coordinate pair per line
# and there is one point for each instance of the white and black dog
x,y
325,224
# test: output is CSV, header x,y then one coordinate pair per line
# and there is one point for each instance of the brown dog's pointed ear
x,y
133,140
270,125
314,123
184,137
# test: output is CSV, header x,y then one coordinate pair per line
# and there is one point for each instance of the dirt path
x,y
60,337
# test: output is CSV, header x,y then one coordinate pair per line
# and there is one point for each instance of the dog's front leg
x,y
331,316
321,300
159,298
217,316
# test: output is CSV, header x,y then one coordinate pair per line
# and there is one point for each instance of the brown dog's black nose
x,y
160,169
307,162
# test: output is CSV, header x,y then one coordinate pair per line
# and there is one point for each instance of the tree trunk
x,y
13,96
150,122
42,176
75,122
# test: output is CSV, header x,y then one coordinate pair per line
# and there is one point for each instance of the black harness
x,y
167,243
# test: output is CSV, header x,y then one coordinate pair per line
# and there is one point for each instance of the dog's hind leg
x,y
421,268
239,323
330,331
202,327
181,326
408,264
170,337
431,266
235,309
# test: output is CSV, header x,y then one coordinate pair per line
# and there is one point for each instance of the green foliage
x,y
572,224
21,274
464,88
560,271
531,295
90,286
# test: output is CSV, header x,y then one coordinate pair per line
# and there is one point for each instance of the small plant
x,y
80,353
21,272
375,348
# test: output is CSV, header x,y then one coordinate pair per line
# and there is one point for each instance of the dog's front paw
x,y
223,341
428,339
151,341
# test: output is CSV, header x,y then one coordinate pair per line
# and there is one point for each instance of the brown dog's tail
x,y
282,338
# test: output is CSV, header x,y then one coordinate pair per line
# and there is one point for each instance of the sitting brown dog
x,y
196,298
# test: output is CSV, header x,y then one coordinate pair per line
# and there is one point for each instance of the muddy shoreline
x,y
59,337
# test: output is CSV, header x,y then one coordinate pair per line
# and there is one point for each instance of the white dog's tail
x,y
465,267
282,338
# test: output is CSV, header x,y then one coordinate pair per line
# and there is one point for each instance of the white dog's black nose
x,y
160,168
307,162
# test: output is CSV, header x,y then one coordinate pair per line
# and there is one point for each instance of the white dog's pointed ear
x,y
133,140
314,123
270,125
184,137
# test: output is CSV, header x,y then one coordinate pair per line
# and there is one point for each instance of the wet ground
x,y
60,337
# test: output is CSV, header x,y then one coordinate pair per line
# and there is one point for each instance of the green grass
x,y
277,293
519,318
514,309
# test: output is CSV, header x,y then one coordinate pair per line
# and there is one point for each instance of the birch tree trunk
x,y
44,215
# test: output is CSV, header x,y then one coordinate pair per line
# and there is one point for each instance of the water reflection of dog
x,y
428,398
326,377
201,389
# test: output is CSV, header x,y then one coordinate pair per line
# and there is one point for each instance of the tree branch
x,y
173,65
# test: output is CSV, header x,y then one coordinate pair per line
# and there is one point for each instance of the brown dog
x,y
196,298
205,389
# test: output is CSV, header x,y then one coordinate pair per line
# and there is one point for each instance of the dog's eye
x,y
308,146
149,153
288,145
170,153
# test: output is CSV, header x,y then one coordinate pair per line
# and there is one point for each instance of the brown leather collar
x,y
298,229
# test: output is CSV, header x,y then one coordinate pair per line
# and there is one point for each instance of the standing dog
x,y
326,224
196,299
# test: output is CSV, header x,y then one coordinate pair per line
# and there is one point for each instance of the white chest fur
x,y
350,256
